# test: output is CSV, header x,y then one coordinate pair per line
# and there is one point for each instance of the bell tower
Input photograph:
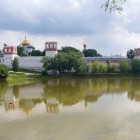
x,y
9,53
51,49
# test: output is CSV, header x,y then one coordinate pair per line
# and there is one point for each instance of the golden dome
x,y
25,42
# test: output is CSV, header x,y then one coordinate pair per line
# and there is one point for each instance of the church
x,y
26,46
27,62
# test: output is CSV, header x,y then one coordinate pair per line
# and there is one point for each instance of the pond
x,y
70,109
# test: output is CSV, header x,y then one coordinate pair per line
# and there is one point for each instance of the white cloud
x,y
70,22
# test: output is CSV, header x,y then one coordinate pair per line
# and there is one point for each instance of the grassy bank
x,y
23,76
13,76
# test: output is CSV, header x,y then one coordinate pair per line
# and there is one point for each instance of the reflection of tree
x,y
3,87
16,91
72,90
134,91
27,106
69,91
109,85
66,90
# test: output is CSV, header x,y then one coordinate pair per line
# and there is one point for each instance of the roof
x,y
30,46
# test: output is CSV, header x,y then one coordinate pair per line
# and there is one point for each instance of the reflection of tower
x,y
10,102
27,107
51,49
52,105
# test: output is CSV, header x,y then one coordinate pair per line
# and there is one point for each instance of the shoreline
x,y
16,76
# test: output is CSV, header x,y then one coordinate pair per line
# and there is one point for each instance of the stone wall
x,y
31,62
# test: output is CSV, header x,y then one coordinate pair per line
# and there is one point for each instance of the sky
x,y
70,23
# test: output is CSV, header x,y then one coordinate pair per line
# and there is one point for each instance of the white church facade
x,y
27,62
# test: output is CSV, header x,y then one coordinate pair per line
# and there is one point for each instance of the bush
x,y
15,65
84,68
95,67
44,72
102,68
111,68
136,66
124,66
3,71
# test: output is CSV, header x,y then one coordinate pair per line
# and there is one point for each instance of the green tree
x,y
111,68
130,54
83,68
43,53
113,5
136,66
95,67
67,49
46,63
63,62
3,71
36,53
20,51
15,65
124,66
102,68
91,53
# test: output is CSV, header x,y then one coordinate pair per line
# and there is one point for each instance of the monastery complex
x,y
27,62
51,48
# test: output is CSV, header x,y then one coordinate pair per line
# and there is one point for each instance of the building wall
x,y
137,52
31,62
27,62
7,59
50,53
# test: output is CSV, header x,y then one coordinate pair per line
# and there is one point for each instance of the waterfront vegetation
x,y
3,72
69,61
94,69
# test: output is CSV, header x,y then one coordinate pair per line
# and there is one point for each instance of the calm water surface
x,y
70,109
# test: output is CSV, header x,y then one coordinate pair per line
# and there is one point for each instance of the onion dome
x,y
25,42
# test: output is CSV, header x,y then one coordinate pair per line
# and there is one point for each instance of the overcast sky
x,y
70,23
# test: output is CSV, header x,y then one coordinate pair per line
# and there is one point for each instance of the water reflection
x,y
57,92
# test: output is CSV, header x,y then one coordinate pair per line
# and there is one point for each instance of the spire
x,y
84,45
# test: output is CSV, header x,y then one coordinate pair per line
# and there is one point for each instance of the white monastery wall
x,y
7,59
31,62
50,53
27,62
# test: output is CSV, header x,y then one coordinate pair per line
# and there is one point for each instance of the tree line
x,y
70,60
